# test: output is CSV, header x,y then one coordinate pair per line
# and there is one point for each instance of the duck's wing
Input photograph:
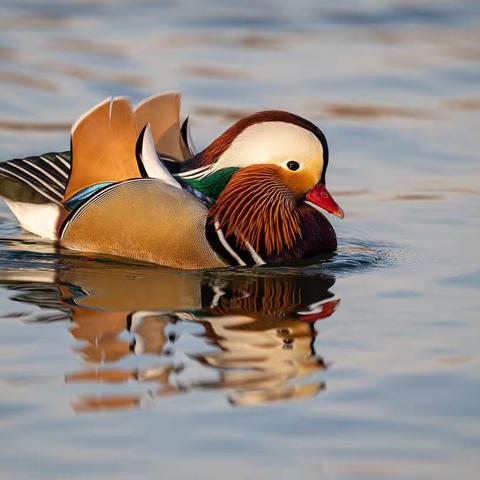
x,y
144,219
103,146
148,162
104,142
106,148
188,148
162,112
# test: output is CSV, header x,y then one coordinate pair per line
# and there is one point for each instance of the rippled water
x,y
358,366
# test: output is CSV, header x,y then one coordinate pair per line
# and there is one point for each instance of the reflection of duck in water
x,y
263,329
250,335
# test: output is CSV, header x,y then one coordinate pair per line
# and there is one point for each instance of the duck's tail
x,y
34,187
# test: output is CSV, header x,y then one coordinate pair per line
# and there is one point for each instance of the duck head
x,y
265,177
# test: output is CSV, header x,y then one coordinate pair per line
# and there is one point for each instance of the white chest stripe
x,y
227,247
256,257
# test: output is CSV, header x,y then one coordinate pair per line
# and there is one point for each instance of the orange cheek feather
x,y
299,182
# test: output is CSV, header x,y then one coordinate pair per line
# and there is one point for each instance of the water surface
x,y
358,366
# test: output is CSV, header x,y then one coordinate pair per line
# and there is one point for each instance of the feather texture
x,y
221,144
46,175
258,208
239,202
149,164
144,219
162,112
103,146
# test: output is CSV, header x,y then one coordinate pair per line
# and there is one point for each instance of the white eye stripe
x,y
274,143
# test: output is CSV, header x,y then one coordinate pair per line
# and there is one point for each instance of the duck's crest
x,y
216,149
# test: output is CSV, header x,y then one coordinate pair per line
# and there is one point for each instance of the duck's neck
x,y
211,184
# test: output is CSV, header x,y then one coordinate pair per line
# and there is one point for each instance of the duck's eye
x,y
293,165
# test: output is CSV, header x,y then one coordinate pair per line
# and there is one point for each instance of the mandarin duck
x,y
132,187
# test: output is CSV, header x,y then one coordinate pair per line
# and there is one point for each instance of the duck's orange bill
x,y
320,196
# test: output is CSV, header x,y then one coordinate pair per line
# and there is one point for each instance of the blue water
x,y
360,365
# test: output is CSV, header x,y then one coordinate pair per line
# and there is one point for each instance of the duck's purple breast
x,y
318,236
